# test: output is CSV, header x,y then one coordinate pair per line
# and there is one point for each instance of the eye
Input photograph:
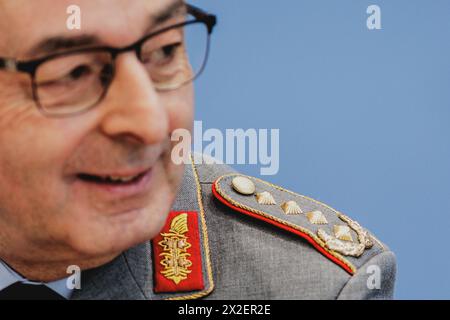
x,y
79,72
76,74
163,55
169,50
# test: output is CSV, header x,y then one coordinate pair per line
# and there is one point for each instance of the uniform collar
x,y
8,277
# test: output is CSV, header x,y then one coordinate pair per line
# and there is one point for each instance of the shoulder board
x,y
332,233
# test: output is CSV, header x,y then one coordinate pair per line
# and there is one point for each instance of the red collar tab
x,y
177,254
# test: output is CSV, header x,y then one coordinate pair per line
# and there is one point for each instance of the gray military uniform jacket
x,y
273,244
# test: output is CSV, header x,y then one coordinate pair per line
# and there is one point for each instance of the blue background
x,y
363,115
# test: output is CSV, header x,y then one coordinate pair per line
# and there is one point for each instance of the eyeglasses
x,y
70,83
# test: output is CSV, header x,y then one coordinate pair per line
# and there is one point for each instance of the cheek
x,y
39,145
34,148
180,104
27,166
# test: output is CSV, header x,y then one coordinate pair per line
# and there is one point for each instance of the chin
x,y
98,234
110,238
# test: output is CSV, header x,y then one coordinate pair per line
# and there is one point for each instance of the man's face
x,y
47,209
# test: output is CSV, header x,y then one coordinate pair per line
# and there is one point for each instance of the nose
x,y
132,107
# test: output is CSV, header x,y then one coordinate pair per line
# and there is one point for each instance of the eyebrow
x,y
168,12
58,43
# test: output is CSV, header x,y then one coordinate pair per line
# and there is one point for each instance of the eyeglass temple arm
x,y
198,13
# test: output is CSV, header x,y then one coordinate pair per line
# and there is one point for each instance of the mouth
x,y
116,185
113,180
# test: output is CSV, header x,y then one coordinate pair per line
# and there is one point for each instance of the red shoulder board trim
x,y
177,255
224,197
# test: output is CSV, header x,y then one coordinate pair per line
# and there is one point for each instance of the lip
x,y
120,173
111,191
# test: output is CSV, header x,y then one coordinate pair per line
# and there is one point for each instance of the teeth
x,y
120,179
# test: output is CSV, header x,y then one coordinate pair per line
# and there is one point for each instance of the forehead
x,y
26,22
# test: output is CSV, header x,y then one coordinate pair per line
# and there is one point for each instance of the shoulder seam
x,y
359,269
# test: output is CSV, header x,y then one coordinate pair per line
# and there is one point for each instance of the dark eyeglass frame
x,y
31,66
